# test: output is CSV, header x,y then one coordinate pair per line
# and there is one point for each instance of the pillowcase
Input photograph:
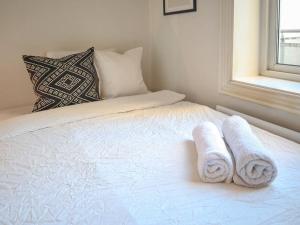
x,y
121,74
65,81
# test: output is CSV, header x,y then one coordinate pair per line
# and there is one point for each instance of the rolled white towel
x,y
214,161
254,165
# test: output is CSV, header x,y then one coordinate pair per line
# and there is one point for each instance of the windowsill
x,y
267,91
292,87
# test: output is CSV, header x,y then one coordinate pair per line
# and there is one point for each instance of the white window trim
x,y
268,96
268,60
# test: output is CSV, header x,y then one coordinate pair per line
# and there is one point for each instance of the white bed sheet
x,y
134,167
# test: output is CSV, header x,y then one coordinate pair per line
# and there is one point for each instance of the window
x,y
253,61
282,39
289,33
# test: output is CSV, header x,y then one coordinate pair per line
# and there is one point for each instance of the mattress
x,y
132,161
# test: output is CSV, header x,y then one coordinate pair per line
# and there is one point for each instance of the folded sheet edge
x,y
40,120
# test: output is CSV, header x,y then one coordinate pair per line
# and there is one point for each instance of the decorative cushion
x,y
60,54
65,81
121,74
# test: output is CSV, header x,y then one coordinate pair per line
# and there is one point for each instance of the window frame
x,y
269,42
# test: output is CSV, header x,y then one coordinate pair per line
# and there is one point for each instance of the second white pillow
x,y
121,74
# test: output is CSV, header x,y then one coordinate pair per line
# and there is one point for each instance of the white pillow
x,y
121,74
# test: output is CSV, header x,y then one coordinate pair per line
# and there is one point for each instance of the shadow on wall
x,y
184,53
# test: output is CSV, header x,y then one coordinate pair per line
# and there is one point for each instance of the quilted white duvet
x,y
131,161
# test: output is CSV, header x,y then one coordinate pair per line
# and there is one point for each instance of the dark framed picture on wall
x,y
179,6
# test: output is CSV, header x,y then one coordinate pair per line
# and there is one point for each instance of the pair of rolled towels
x,y
246,161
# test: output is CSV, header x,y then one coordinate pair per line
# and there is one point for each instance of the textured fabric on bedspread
x,y
138,167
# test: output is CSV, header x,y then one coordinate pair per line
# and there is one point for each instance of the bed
x,y
131,161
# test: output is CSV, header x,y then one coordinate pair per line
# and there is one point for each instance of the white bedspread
x,y
132,167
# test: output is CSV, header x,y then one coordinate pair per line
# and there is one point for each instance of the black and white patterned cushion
x,y
61,82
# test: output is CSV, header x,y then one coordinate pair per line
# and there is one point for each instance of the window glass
x,y
289,33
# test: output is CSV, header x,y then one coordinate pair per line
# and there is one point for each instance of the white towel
x,y
214,161
254,165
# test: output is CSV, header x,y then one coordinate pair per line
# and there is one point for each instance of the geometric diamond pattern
x,y
61,82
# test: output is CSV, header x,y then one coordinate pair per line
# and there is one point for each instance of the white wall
x,y
35,26
185,50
